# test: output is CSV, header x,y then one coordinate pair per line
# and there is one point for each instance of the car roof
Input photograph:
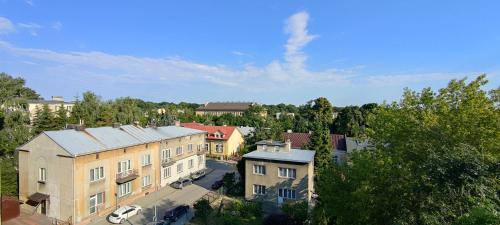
x,y
122,209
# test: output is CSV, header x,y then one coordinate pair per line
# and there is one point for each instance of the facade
x,y
53,104
221,141
339,143
76,175
276,173
220,108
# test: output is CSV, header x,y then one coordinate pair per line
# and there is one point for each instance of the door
x,y
92,204
43,207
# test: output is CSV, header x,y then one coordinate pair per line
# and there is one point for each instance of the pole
x,y
154,218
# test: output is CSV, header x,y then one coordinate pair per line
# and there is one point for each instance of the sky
x,y
350,51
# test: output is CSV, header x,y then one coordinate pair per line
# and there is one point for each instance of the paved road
x,y
167,198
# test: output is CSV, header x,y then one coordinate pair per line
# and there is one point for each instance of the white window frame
x,y
289,173
219,148
146,180
190,163
178,150
127,164
96,174
42,174
167,172
146,159
181,166
166,154
259,170
97,203
190,148
259,189
287,193
124,189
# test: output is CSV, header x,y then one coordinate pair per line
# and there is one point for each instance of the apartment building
x,y
54,104
221,141
221,108
276,173
340,148
78,174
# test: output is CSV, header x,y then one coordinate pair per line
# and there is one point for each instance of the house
x,y
221,108
54,104
276,173
79,174
221,141
246,131
339,145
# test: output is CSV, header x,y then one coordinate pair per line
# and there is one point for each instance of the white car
x,y
123,213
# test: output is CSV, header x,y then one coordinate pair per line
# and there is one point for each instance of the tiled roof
x,y
227,131
300,139
295,155
225,106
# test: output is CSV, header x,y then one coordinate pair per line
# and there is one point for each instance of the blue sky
x,y
351,52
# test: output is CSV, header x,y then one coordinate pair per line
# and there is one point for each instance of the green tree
x,y
435,159
297,212
321,142
44,120
88,110
61,118
203,210
13,90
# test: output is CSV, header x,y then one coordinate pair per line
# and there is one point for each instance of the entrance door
x,y
43,207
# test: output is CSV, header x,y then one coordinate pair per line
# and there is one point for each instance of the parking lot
x,y
168,198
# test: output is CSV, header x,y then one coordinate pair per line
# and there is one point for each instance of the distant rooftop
x,y
270,143
226,106
294,155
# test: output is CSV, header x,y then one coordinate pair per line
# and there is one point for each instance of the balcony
x,y
126,176
168,162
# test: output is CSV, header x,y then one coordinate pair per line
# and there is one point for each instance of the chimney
x,y
288,145
177,123
116,125
57,98
80,128
289,131
136,123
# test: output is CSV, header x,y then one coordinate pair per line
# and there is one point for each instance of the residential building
x,y
54,104
276,173
246,131
339,145
221,108
221,141
82,173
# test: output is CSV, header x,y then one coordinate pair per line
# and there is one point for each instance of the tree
x,y
88,110
203,210
61,118
44,120
436,158
321,142
297,212
13,90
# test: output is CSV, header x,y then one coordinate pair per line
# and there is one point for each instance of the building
x,y
54,104
80,174
339,144
220,108
276,173
221,141
246,131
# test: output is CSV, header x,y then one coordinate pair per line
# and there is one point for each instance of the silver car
x,y
181,183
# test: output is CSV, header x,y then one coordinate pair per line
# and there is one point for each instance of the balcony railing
x,y
126,176
167,162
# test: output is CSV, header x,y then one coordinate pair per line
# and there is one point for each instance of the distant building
x,y
82,174
276,173
221,108
54,104
246,131
339,144
279,115
221,141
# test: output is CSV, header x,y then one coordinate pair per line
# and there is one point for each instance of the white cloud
x,y
57,25
31,27
238,53
296,26
6,26
29,2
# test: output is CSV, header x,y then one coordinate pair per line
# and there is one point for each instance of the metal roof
x,y
98,139
295,155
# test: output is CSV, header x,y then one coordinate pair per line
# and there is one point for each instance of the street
x,y
167,198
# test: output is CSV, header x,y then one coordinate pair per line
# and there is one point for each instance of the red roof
x,y
300,139
226,131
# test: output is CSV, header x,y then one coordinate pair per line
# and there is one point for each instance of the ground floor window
x,y
286,193
95,201
146,180
259,189
124,189
167,172
180,168
190,163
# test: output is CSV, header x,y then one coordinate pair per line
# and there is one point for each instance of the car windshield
x,y
114,215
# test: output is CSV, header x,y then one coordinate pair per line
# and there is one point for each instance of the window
x,y
178,150
165,154
123,166
259,169
146,180
200,159
146,159
42,174
259,189
95,201
96,174
124,189
190,148
207,146
219,148
190,163
198,147
166,172
180,168
287,173
276,148
286,193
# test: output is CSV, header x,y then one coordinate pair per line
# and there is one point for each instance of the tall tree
x,y
44,120
321,142
61,118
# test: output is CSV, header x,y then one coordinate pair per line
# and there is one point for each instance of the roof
x,y
49,102
99,139
227,131
225,106
300,139
295,155
246,130
270,143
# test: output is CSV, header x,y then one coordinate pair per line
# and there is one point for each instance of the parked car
x,y
182,183
123,213
217,184
176,213
198,175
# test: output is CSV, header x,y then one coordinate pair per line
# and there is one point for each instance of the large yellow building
x,y
78,174
221,141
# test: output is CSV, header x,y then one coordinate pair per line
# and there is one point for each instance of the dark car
x,y
217,184
181,183
176,213
198,175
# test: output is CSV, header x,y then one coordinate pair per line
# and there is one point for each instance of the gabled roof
x,y
300,139
92,140
295,155
225,106
227,131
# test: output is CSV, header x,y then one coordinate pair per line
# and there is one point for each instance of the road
x,y
167,198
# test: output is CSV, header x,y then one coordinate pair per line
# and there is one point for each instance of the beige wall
x,y
59,177
303,183
231,146
219,113
53,107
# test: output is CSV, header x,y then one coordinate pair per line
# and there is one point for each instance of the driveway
x,y
219,169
